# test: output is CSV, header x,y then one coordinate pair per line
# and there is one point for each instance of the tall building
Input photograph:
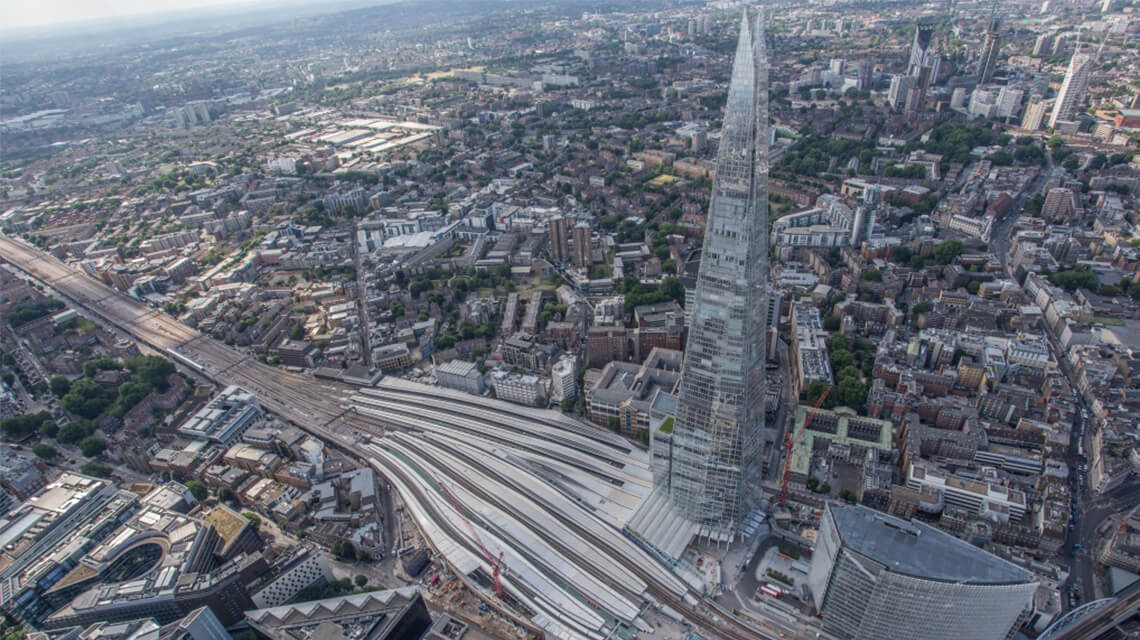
x,y
1044,45
717,443
559,240
900,87
582,246
1073,89
1009,102
875,576
1034,114
864,77
989,52
920,48
1059,204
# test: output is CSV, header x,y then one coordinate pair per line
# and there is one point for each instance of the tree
x,y
224,494
361,580
92,446
150,370
71,433
197,489
946,252
96,469
45,451
254,519
59,386
87,399
815,390
19,427
852,393
344,549
297,332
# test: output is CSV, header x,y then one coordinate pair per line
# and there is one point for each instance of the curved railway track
x,y
306,402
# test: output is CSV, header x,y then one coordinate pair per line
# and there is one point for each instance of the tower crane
x,y
790,440
496,565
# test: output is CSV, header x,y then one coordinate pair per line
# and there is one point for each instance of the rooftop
x,y
912,548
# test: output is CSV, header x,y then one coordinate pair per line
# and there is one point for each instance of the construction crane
x,y
790,441
496,565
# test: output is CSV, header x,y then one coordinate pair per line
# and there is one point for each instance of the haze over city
x,y
574,319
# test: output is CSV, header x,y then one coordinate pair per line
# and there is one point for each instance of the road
x,y
316,406
1086,515
361,303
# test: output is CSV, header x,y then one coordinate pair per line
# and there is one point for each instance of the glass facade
x,y
862,598
716,455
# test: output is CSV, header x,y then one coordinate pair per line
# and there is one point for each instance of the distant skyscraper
x,y
920,48
559,239
866,68
716,452
1073,89
989,52
874,576
582,246
1044,44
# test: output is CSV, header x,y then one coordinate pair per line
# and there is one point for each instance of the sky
x,y
19,14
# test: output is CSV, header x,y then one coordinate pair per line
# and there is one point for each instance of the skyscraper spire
x,y
716,454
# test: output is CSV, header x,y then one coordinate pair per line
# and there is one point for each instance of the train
x,y
178,357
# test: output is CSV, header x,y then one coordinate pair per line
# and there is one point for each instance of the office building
x,y
900,87
627,393
300,567
461,375
990,50
394,614
981,498
518,388
809,348
564,380
920,48
716,443
874,576
1060,204
1073,89
224,418
39,539
1009,102
559,239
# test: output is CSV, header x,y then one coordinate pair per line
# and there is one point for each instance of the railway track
x,y
298,399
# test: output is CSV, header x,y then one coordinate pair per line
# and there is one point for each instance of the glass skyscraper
x,y
717,442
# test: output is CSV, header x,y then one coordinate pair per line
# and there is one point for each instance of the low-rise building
x,y
460,375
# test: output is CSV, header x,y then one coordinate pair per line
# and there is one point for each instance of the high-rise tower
x,y
989,52
1074,87
920,48
559,240
716,449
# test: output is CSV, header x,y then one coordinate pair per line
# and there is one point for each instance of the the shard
x,y
717,443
